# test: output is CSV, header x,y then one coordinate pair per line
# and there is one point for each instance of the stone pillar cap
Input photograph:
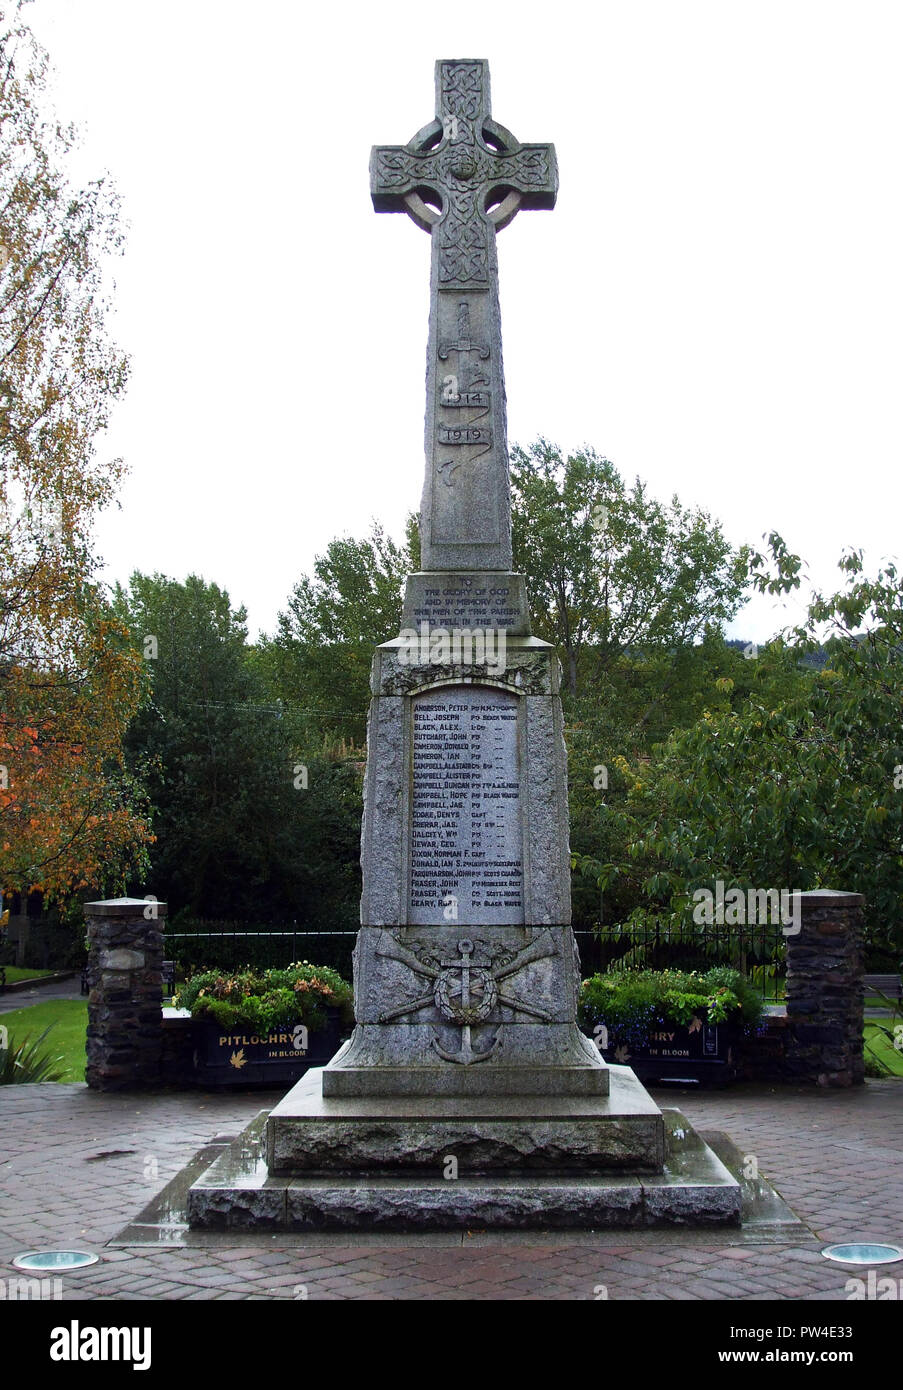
x,y
123,907
831,897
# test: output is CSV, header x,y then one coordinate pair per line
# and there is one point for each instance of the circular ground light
x,y
55,1259
863,1253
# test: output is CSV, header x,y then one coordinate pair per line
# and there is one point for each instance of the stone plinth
x,y
125,993
514,1165
824,991
309,1132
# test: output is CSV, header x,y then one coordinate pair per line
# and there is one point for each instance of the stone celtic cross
x,y
466,1044
462,178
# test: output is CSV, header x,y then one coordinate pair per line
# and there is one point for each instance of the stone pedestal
x,y
824,991
466,1049
314,1134
466,970
125,993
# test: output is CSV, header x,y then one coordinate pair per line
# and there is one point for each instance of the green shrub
x,y
267,999
631,1003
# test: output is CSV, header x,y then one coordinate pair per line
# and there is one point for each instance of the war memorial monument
x,y
467,1096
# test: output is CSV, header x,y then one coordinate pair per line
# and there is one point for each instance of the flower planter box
x,y
701,1055
239,1056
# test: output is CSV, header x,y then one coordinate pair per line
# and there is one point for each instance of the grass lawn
x,y
67,1040
882,1046
16,973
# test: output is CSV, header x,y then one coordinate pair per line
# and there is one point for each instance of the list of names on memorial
x,y
466,827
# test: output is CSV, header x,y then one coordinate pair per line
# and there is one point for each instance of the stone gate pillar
x,y
824,990
125,993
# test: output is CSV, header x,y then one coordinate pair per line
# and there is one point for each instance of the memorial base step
x,y
238,1193
310,1133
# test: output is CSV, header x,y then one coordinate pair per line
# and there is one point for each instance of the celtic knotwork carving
x,y
462,260
399,168
529,166
462,234
460,165
462,90
462,169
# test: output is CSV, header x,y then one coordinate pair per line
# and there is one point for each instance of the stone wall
x,y
824,991
125,993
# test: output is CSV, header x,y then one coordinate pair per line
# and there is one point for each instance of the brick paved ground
x,y
76,1167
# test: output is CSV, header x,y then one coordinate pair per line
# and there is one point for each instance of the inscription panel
x,y
454,605
467,600
466,838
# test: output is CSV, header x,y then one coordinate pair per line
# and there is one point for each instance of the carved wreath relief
x,y
465,992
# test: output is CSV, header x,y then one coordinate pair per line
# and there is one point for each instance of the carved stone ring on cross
x,y
462,165
464,176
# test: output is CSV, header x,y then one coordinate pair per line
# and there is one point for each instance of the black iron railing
x,y
756,950
208,945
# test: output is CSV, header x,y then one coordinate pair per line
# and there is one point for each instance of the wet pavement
x,y
78,1168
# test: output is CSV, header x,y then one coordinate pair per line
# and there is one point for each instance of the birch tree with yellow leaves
x,y
70,815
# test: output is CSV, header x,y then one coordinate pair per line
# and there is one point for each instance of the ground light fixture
x,y
55,1259
863,1253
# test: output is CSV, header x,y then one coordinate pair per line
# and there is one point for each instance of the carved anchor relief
x,y
464,993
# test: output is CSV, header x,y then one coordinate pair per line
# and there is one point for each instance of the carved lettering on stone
x,y
466,835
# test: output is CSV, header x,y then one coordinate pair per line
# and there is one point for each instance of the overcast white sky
x,y
716,302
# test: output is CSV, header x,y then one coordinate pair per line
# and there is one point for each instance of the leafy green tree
x,y
244,828
609,568
318,660
69,816
799,787
637,703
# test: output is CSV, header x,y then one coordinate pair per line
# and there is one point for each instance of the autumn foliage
x,y
70,817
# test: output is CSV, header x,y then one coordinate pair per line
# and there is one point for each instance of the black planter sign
x,y
239,1056
699,1052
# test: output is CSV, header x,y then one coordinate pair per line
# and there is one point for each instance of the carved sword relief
x,y
469,351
